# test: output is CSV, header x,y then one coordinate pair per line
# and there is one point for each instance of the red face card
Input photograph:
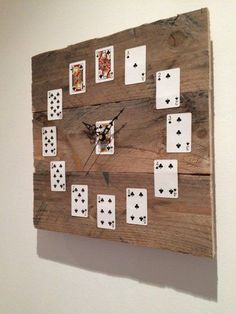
x,y
104,70
77,74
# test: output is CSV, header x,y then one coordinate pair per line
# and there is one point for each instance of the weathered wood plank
x,y
183,224
137,144
176,42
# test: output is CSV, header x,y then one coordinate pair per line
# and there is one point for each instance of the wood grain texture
x,y
140,137
176,42
185,224
182,224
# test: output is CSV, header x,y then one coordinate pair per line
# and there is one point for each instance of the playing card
x,y
106,216
166,178
77,77
179,132
104,64
58,176
54,104
135,65
79,200
136,206
105,139
168,88
49,141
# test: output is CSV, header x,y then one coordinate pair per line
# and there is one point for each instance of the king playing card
x,y
104,64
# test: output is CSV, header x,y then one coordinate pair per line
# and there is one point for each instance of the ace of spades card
x,y
104,64
77,77
54,101
136,206
105,142
135,65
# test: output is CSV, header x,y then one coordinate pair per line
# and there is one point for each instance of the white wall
x,y
44,272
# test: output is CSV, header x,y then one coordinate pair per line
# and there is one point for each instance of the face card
x,y
54,104
79,200
105,139
106,216
179,132
166,178
135,65
49,141
136,206
58,176
168,88
77,77
104,64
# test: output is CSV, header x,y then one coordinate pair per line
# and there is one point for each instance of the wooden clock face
x,y
109,133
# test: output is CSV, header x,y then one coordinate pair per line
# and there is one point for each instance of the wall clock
x,y
109,133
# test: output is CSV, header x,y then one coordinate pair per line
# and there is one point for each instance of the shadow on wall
x,y
185,273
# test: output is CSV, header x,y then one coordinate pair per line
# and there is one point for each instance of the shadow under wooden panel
x,y
183,224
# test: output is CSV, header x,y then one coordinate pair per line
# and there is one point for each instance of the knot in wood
x,y
176,39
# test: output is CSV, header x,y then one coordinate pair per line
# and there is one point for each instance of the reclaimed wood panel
x,y
185,224
182,224
177,42
140,137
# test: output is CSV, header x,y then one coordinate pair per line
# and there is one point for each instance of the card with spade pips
x,y
79,200
136,206
179,132
166,178
58,176
49,141
54,98
135,65
106,211
168,88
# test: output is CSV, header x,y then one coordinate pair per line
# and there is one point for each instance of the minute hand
x,y
110,124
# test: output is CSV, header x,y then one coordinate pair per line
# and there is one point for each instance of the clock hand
x,y
100,136
91,153
110,124
87,172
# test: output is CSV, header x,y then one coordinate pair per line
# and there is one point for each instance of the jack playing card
x,y
168,88
77,77
136,206
106,216
104,64
54,104
79,200
58,176
49,141
179,132
135,65
166,178
105,138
